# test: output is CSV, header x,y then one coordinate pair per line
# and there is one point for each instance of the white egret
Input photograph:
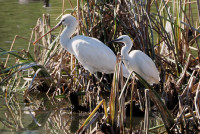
x,y
93,55
138,61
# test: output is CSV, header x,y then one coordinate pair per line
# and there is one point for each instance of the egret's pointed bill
x,y
59,24
115,40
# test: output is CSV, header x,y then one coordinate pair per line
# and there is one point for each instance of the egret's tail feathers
x,y
153,80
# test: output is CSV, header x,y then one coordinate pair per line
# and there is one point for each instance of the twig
x,y
146,117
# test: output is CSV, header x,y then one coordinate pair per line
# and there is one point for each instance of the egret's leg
x,y
94,80
95,77
102,77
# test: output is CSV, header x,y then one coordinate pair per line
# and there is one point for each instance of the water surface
x,y
19,17
41,115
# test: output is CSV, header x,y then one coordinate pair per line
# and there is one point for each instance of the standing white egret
x,y
138,61
93,55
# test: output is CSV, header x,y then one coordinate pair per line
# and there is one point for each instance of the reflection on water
x,y
46,115
41,115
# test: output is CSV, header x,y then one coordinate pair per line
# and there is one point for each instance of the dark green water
x,y
19,17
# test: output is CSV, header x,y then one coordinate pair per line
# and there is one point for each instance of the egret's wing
x,y
145,64
150,68
143,59
93,54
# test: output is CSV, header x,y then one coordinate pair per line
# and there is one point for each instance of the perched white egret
x,y
93,55
138,61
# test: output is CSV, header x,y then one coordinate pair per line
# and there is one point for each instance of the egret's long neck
x,y
65,36
68,31
125,50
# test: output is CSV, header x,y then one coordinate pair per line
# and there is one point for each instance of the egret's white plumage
x,y
94,55
138,61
